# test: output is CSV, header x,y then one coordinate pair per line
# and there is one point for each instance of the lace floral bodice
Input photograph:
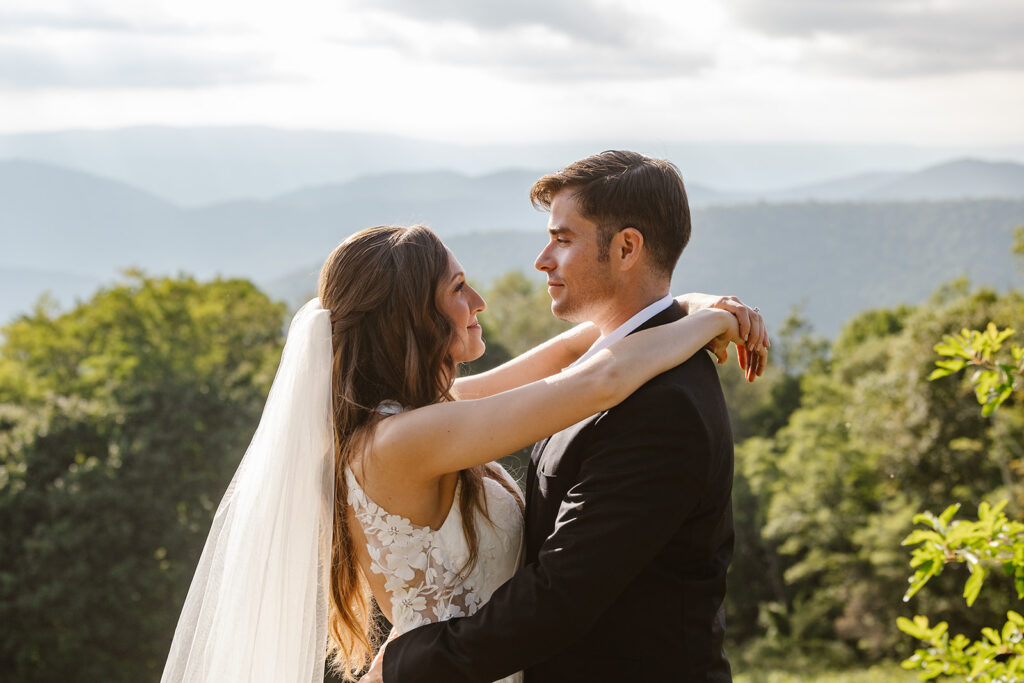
x,y
422,567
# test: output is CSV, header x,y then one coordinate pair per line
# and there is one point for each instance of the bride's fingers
x,y
758,330
739,310
762,361
742,356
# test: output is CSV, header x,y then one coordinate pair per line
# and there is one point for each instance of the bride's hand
x,y
752,350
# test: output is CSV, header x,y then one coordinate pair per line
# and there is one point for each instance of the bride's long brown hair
x,y
390,341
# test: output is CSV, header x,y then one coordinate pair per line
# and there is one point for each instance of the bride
x,y
371,473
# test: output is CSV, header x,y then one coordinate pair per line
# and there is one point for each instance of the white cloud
x,y
31,68
587,21
79,21
463,70
528,51
895,38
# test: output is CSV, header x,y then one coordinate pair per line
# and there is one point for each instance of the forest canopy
x,y
122,420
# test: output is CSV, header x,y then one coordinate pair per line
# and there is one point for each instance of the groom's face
x,y
580,284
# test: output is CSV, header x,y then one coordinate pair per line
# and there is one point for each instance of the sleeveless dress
x,y
422,566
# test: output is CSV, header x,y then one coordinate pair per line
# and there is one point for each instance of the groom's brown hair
x,y
620,189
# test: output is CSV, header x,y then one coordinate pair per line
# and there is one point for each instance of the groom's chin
x,y
564,313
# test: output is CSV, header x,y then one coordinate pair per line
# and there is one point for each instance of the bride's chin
x,y
475,352
464,355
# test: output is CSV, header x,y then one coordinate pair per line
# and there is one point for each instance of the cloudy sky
x,y
930,72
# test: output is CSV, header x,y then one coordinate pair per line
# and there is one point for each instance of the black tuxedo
x,y
628,537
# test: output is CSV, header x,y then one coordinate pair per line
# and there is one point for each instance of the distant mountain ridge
x,y
67,231
207,165
960,179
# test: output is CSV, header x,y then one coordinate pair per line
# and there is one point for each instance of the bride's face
x,y
461,303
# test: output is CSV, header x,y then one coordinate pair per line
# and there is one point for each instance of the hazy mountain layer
x,y
79,229
834,259
195,166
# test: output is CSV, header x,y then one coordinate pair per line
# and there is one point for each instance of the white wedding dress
x,y
421,565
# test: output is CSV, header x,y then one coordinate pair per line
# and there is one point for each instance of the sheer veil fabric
x,y
257,607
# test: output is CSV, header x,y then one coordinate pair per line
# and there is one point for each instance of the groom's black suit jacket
x,y
628,536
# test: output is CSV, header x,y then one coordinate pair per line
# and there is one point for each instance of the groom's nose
x,y
544,260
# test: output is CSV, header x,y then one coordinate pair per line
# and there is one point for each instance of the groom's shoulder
x,y
679,391
674,395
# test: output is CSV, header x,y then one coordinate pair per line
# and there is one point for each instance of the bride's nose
x,y
477,302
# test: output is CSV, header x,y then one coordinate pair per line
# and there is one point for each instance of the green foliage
x,y
993,381
121,422
875,674
823,503
519,312
764,407
1018,243
992,540
997,656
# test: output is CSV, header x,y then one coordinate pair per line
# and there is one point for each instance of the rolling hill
x,y
74,230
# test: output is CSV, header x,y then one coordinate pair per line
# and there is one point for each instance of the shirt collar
x,y
625,328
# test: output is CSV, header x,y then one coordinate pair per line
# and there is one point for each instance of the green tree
x,y
756,592
833,491
991,541
121,422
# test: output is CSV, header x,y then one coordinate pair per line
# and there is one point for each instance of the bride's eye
x,y
458,287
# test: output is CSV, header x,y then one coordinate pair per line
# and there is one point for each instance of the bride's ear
x,y
626,248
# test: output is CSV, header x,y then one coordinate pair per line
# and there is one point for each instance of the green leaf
x,y
922,536
948,514
984,510
973,586
913,628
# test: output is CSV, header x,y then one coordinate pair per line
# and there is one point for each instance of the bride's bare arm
x,y
561,351
537,363
447,437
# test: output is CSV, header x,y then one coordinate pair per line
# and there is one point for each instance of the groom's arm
x,y
634,491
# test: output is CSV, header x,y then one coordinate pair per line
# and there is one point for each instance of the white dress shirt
x,y
625,328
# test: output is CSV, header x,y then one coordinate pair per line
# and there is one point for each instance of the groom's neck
x,y
626,303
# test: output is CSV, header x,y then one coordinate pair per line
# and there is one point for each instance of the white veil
x,y
257,606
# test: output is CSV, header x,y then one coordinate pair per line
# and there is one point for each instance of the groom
x,y
628,519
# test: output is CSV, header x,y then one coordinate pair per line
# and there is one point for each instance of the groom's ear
x,y
626,248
